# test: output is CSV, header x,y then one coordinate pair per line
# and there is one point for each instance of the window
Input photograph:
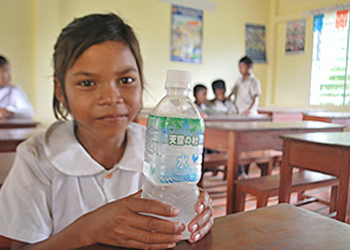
x,y
330,60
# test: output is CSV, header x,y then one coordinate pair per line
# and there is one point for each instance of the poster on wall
x,y
255,42
186,34
295,39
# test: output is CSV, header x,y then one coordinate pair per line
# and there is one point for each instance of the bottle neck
x,y
177,91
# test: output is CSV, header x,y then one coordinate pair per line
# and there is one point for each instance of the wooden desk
x,y
238,118
281,114
327,153
276,227
18,123
332,117
11,137
252,136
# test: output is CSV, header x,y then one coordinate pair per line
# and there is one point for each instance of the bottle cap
x,y
178,79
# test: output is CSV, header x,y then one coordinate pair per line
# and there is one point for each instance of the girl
x,y
14,102
75,184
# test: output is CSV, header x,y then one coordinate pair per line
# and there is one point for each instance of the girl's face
x,y
5,76
103,90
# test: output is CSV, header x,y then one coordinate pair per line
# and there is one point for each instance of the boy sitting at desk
x,y
222,105
201,102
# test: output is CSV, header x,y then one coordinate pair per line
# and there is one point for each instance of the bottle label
x,y
174,149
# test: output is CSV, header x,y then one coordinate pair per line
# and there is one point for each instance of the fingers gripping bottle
x,y
174,146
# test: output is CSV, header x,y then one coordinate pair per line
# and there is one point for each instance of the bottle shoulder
x,y
176,106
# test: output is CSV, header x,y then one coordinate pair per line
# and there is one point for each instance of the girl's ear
x,y
59,92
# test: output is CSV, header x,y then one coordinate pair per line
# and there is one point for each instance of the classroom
x,y
300,125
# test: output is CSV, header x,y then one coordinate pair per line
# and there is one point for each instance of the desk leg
x,y
286,174
343,201
232,173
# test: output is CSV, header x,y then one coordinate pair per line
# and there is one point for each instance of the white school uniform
x,y
245,92
14,99
54,181
226,107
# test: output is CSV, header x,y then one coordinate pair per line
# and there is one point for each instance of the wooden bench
x,y
265,160
268,186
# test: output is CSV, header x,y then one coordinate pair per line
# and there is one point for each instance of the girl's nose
x,y
110,95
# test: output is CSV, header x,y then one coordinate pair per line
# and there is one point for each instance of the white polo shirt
x,y
226,107
246,90
54,181
14,99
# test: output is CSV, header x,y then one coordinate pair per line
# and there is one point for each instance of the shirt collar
x,y
69,157
250,77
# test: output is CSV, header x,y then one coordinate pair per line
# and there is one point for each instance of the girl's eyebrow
x,y
122,72
127,70
84,73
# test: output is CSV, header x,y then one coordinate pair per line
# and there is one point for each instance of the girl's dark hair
x,y
82,33
3,61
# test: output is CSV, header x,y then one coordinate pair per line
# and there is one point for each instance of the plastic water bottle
x,y
174,146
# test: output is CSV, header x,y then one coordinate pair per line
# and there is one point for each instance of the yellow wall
x,y
289,76
39,22
29,29
17,40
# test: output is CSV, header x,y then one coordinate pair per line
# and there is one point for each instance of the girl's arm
x,y
118,224
20,105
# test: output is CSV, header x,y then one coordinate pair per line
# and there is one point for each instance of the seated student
x,y
247,89
201,102
13,101
78,183
221,105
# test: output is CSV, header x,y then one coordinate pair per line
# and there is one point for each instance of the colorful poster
x,y
295,40
255,42
186,34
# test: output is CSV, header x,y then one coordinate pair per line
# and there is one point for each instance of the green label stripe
x,y
160,122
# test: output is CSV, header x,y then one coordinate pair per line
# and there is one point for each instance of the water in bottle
x,y
174,146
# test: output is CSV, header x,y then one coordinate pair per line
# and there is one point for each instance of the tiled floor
x,y
216,188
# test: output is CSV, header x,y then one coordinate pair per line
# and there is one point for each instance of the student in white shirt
x,y
201,101
78,183
247,89
13,100
222,105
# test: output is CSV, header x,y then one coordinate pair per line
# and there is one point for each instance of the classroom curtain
x,y
330,59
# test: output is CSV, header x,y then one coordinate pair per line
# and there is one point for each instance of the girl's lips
x,y
113,118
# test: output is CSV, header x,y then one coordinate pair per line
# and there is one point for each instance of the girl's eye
x,y
126,80
86,83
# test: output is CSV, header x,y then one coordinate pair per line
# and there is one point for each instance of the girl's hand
x,y
203,222
121,224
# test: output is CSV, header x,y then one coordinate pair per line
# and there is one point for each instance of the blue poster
x,y
255,44
186,34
